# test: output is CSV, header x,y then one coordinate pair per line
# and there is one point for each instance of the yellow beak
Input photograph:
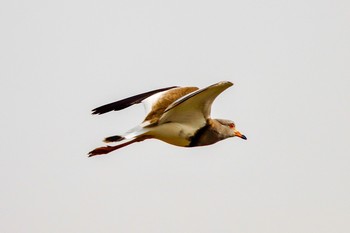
x,y
238,134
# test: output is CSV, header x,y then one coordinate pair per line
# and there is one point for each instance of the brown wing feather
x,y
167,98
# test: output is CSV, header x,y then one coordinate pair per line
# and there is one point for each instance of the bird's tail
x,y
115,138
136,134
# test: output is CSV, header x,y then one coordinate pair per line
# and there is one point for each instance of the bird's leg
x,y
108,149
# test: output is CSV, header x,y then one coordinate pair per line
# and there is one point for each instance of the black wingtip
x,y
94,112
101,110
124,103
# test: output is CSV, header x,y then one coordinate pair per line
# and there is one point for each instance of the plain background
x,y
289,60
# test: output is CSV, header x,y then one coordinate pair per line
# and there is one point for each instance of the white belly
x,y
173,133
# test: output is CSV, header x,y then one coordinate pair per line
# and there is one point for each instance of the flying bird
x,y
177,115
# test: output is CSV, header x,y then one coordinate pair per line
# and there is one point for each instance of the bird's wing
x,y
156,104
194,108
124,103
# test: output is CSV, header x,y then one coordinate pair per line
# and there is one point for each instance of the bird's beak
x,y
238,134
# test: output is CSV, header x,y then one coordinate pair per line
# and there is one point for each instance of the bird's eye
x,y
231,125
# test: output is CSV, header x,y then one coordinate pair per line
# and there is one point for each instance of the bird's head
x,y
230,129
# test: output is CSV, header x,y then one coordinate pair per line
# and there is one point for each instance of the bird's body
x,y
177,115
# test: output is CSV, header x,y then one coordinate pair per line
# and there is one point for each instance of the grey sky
x,y
289,61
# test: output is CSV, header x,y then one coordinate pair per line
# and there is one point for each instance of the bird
x,y
176,115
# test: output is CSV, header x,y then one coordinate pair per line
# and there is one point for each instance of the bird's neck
x,y
206,135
